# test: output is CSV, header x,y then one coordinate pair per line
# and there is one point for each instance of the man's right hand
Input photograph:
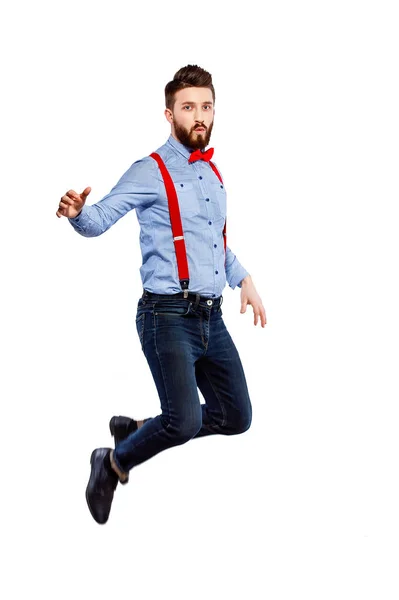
x,y
72,203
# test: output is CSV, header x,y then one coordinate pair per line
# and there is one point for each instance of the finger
x,y
73,196
85,193
68,199
63,205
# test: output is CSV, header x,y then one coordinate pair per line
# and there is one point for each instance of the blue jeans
x,y
187,346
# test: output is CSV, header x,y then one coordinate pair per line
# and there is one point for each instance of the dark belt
x,y
196,299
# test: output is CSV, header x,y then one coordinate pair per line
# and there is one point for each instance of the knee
x,y
242,422
184,430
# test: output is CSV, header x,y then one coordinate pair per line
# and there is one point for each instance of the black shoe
x,y
121,427
102,484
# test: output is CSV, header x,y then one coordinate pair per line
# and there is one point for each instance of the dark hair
x,y
189,76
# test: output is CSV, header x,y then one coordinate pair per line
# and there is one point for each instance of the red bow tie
x,y
198,155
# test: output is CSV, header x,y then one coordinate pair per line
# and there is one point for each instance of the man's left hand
x,y
249,295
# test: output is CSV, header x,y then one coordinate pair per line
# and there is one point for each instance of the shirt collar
x,y
184,150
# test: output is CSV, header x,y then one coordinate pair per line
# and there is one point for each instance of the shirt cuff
x,y
80,221
238,276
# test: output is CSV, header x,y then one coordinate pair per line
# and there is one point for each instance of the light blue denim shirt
x,y
202,202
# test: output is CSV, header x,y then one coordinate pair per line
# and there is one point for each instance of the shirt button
x,y
216,272
181,185
209,222
215,245
207,199
200,177
221,186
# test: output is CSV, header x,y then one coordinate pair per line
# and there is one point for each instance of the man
x,y
180,202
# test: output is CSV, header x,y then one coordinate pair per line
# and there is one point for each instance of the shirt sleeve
x,y
235,272
138,187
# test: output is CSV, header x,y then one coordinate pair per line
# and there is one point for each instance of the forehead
x,y
193,94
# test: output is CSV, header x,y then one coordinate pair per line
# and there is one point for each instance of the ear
x,y
168,115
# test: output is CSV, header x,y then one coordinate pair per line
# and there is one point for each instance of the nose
x,y
199,115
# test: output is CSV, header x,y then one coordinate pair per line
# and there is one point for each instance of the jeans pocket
x,y
140,319
172,309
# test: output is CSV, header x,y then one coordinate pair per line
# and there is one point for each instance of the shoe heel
x,y
120,427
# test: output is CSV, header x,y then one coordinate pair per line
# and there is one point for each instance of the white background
x,y
305,504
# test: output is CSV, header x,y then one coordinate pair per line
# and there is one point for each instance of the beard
x,y
191,139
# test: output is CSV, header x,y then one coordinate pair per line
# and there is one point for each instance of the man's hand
x,y
72,203
249,295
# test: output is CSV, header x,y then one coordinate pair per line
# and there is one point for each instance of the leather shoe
x,y
120,427
102,484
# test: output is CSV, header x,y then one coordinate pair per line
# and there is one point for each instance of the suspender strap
x,y
224,228
175,221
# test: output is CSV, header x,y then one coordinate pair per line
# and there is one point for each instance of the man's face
x,y
192,117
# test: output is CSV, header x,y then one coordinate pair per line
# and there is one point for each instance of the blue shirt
x,y
202,202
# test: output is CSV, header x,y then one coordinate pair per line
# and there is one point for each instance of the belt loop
x,y
197,300
220,303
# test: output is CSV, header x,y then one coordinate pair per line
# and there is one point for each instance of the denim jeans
x,y
187,346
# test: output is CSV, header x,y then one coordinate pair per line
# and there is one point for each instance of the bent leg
x,y
170,358
221,379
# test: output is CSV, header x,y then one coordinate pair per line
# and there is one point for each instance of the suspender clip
x,y
184,283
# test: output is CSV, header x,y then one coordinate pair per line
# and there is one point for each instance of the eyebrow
x,y
193,103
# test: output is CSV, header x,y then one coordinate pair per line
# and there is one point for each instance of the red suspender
x,y
175,221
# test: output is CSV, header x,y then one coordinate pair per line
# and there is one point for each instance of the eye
x,y
187,106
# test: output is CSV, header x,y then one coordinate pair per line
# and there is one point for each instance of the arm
x,y
235,272
137,187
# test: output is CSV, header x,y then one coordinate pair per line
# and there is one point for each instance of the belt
x,y
191,296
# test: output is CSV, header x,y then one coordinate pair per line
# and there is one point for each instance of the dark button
x,y
215,245
200,177
216,272
221,186
209,222
207,199
213,295
182,185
